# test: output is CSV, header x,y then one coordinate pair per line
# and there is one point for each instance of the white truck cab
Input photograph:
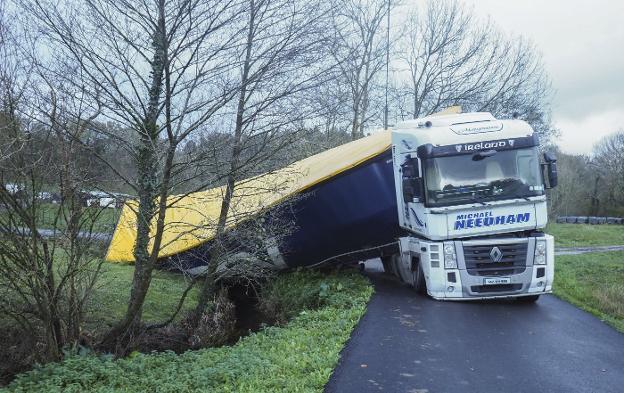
x,y
470,193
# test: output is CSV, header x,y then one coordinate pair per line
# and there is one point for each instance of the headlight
x,y
540,252
450,259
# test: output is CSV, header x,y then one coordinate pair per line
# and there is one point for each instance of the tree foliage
x,y
591,185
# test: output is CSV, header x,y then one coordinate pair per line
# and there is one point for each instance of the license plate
x,y
496,280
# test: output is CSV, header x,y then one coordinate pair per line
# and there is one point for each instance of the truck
x,y
454,204
470,192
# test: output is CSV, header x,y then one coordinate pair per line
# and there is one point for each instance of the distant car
x,y
108,202
13,188
45,196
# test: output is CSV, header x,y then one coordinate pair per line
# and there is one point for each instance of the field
x,y
593,281
105,218
579,235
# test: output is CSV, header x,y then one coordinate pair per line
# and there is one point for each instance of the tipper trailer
x,y
454,205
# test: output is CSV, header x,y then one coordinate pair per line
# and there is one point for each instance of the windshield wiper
x,y
516,196
475,199
483,154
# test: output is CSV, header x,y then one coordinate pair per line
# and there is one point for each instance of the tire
x,y
387,264
399,270
420,284
528,299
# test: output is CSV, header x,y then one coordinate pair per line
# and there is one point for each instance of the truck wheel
x,y
387,264
420,285
528,299
399,270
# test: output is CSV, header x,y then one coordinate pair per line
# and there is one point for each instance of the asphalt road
x,y
409,343
585,250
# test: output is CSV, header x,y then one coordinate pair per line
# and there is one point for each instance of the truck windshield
x,y
471,178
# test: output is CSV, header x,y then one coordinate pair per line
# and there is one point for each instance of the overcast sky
x,y
582,43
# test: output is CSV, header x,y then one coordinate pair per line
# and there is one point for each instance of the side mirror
x,y
411,182
551,169
412,188
418,188
550,157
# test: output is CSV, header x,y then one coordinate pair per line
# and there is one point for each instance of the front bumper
x,y
467,287
464,284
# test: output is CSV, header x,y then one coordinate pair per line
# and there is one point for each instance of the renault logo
x,y
496,254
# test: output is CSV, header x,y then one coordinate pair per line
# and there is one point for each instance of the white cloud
x,y
581,45
579,135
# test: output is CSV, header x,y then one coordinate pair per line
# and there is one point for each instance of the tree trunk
x,y
143,268
355,126
54,335
417,104
208,289
364,112
595,200
147,165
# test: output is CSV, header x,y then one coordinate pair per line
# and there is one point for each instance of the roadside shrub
x,y
298,357
290,293
216,325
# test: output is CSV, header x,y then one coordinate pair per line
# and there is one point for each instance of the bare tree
x,y
360,50
48,265
573,194
608,164
282,58
450,57
160,70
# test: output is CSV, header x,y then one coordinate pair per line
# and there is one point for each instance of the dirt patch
x,y
17,354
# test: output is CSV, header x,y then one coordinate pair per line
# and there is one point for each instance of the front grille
x,y
479,263
496,288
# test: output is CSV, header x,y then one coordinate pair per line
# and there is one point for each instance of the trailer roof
x,y
191,219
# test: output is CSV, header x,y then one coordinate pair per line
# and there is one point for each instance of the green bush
x,y
298,357
288,294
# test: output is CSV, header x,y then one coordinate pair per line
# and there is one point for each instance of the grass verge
x,y
106,305
595,283
579,235
110,297
298,357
